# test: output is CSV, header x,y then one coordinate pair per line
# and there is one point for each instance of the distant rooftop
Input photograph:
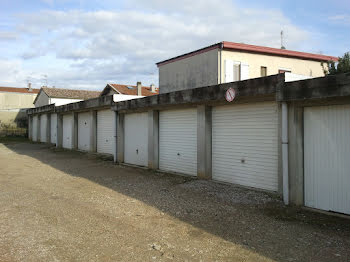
x,y
70,93
19,90
132,90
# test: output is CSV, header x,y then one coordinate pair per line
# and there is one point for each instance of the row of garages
x,y
242,144
244,140
45,126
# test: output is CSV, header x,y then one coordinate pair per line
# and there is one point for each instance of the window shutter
x,y
236,71
244,71
228,71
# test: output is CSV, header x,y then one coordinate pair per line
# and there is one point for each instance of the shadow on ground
x,y
255,220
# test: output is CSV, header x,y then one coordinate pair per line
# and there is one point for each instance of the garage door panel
x,y
67,131
53,128
84,130
35,129
136,139
326,158
43,127
245,144
105,131
178,141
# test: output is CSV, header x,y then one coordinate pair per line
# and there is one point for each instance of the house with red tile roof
x,y
130,90
228,62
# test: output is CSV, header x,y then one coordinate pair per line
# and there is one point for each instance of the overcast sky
x,y
86,44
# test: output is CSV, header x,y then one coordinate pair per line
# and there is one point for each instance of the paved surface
x,y
69,206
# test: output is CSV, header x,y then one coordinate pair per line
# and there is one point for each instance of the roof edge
x,y
278,52
111,86
193,53
253,49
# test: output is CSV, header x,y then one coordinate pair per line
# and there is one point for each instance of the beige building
x,y
13,105
228,62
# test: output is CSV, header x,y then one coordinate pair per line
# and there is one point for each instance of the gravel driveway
x,y
67,206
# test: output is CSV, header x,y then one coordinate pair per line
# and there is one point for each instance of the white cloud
x,y
101,46
343,19
11,72
6,36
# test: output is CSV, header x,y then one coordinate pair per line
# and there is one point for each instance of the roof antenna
x,y
45,80
282,46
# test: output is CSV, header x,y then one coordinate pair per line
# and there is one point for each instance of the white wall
x,y
119,97
42,100
290,77
63,101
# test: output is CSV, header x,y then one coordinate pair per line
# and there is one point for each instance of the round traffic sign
x,y
230,94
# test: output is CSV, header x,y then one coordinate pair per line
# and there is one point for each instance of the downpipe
x,y
285,163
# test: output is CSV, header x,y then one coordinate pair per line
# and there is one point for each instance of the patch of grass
x,y
13,139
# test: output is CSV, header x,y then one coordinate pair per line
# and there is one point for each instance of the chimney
x,y
153,88
139,89
30,87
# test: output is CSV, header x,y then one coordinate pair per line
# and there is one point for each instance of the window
x,y
263,71
232,71
236,71
281,71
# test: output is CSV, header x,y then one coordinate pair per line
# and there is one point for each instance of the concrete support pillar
x,y
30,127
296,154
93,131
115,140
48,129
153,139
120,138
204,154
38,139
75,131
59,132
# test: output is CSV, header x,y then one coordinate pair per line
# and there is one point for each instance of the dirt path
x,y
68,206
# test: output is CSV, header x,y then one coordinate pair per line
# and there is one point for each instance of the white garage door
x,y
35,129
178,141
84,126
105,132
326,157
53,127
67,131
136,139
43,126
245,145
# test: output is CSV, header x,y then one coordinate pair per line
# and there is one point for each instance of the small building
x,y
60,96
13,104
229,62
126,92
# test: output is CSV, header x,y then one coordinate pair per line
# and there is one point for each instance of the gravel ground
x,y
67,206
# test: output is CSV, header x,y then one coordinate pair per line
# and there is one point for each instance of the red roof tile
x,y
132,90
19,90
253,49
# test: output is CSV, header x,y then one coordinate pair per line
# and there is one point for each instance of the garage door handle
x,y
178,154
137,151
